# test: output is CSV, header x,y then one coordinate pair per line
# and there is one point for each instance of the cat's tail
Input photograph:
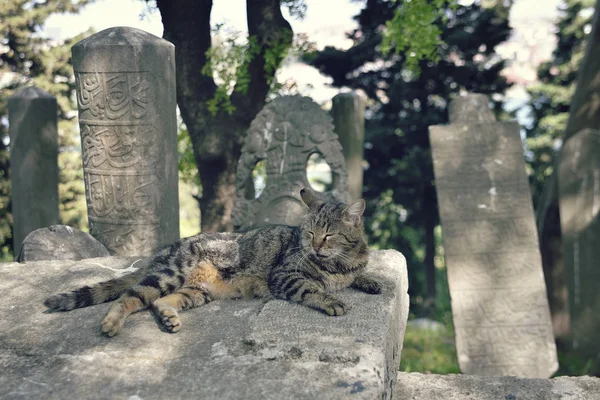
x,y
95,294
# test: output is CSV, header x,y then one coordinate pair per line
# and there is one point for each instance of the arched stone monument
x,y
285,134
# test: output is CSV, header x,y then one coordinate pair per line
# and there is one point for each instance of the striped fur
x,y
302,264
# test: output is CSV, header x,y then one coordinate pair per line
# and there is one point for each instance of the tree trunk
x,y
217,139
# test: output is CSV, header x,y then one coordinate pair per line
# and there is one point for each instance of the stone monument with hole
x,y
125,80
579,199
285,134
32,115
499,304
348,112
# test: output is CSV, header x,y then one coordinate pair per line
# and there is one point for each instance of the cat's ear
x,y
309,198
353,213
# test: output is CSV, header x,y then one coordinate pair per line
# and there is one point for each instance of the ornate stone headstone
x,y
579,197
499,304
285,133
126,94
348,112
32,115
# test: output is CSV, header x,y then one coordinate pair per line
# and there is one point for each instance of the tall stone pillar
x,y
579,199
348,112
125,81
499,304
32,116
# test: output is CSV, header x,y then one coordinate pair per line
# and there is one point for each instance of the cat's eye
x,y
311,234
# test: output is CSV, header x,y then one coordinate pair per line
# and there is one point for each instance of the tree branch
x,y
267,25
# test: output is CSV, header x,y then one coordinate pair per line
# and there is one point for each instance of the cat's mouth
x,y
321,256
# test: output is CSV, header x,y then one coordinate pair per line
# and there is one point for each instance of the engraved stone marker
x,y
348,112
125,81
32,115
285,133
499,304
579,189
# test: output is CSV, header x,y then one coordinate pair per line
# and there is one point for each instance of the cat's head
x,y
332,231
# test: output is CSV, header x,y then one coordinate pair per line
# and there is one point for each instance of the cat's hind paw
x,y
112,324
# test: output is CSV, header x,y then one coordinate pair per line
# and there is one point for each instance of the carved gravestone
x,y
579,199
284,134
32,115
125,81
499,304
348,112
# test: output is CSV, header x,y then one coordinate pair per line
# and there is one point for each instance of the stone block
x,y
415,386
226,350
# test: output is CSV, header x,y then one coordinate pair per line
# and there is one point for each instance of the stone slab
x,y
33,130
60,242
348,112
499,304
415,386
579,199
225,350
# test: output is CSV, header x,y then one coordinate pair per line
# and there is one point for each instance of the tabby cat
x,y
327,252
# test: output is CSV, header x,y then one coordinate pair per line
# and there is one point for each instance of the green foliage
x,y
412,31
228,62
572,364
551,97
429,351
296,8
188,172
28,58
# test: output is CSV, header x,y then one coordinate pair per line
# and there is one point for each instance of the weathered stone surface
x,y
285,133
499,304
416,386
579,197
348,112
225,350
60,242
125,80
32,116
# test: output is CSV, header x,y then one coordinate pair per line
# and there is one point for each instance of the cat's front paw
x,y
334,307
367,285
